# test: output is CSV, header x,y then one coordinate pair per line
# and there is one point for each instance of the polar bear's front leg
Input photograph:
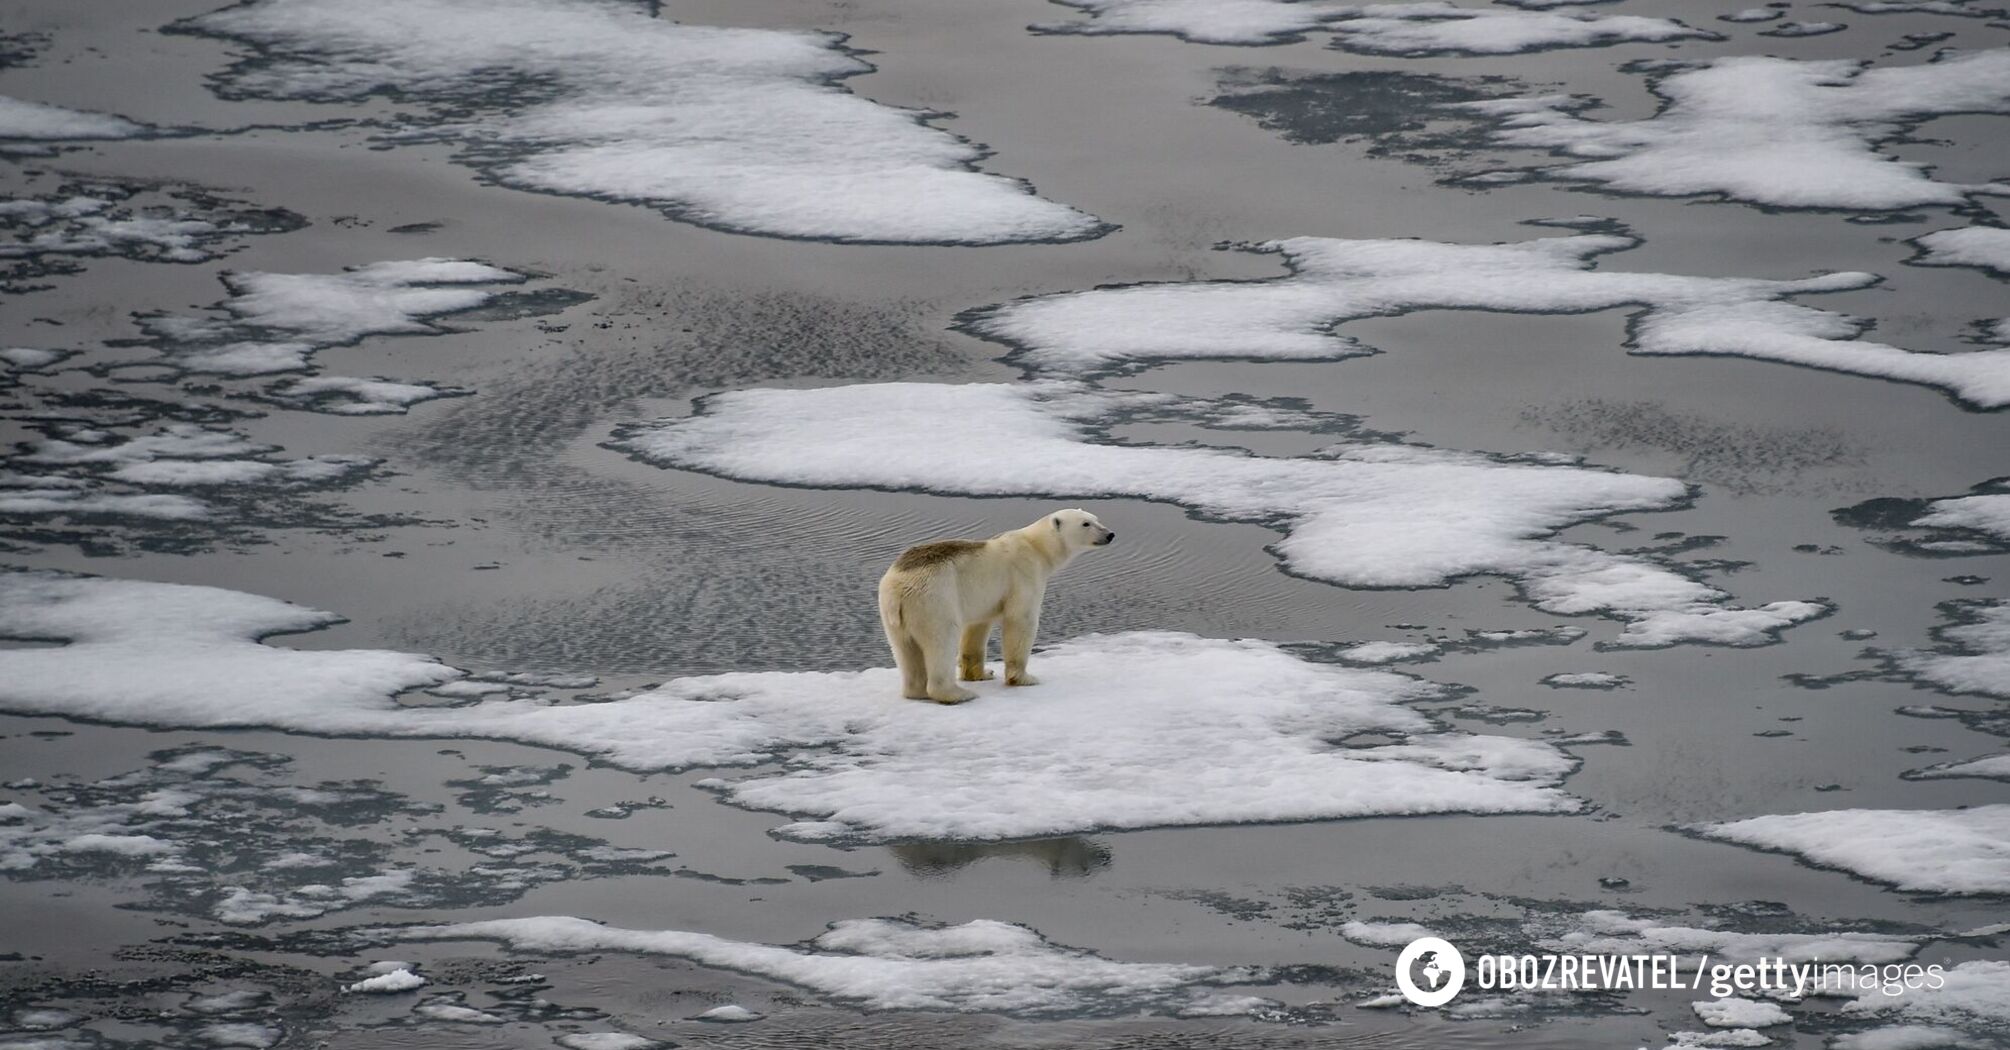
x,y
970,662
1019,632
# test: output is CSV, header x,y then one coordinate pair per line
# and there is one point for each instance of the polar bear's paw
x,y
980,674
1022,678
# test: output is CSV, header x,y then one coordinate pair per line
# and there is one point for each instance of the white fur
x,y
939,611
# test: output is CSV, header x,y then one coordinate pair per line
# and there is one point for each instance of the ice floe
x,y
1994,767
1986,247
1733,1012
1973,655
744,129
1957,8
274,323
1128,731
1947,526
388,979
1384,652
1940,851
188,654
1769,131
1732,1037
72,470
1428,27
40,121
887,964
1794,29
1332,281
1606,932
1586,680
1435,28
1359,514
1972,1003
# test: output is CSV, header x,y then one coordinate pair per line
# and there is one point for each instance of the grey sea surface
x,y
500,535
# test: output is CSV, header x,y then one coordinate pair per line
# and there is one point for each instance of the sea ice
x,y
1974,651
387,983
1586,680
1986,247
1973,998
1989,513
1794,29
1605,932
1359,514
1383,652
1332,281
744,129
729,1014
40,121
1995,767
888,964
1940,851
1429,27
1769,131
1958,8
1131,730
1733,1012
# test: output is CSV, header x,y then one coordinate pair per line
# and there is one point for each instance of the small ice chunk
x,y
389,982
1586,680
1383,934
1383,652
732,1013
606,1041
1734,1012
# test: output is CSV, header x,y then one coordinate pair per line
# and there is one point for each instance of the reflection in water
x,y
1071,857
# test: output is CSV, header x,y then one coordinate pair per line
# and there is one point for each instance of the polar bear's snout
x,y
1108,538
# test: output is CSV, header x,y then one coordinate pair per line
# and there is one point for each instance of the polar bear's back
x,y
930,555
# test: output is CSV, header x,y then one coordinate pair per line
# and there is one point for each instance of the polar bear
x,y
940,600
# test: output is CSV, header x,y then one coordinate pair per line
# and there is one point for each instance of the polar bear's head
x,y
1078,529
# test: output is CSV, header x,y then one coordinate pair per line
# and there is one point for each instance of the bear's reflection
x,y
1065,858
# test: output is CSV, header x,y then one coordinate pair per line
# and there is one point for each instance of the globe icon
x,y
1434,975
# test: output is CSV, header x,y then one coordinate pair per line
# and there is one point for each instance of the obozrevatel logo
x,y
1430,971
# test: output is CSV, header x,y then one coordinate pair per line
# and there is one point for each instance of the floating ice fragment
x,y
742,129
1362,514
1203,731
20,119
886,964
1733,1012
1956,851
1769,131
